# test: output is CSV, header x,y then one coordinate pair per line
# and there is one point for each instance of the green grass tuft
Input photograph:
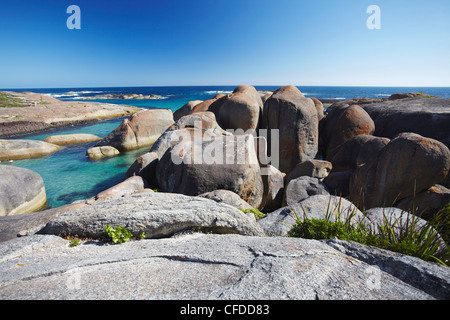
x,y
425,242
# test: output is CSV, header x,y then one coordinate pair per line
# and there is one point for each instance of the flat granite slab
x,y
214,267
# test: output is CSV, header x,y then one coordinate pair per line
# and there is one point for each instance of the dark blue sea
x,y
70,176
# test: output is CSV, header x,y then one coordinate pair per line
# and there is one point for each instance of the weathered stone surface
x,y
21,191
398,219
425,116
25,149
409,164
251,92
311,168
28,224
157,214
279,222
228,163
273,181
301,188
357,151
239,111
196,126
141,129
185,110
129,186
218,267
72,138
203,106
203,120
96,153
145,167
343,123
295,116
338,183
227,197
319,108
426,203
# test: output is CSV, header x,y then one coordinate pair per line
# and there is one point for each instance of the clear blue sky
x,y
224,42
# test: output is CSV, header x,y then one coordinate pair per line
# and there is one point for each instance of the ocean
x,y
69,175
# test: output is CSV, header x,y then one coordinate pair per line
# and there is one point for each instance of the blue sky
x,y
218,42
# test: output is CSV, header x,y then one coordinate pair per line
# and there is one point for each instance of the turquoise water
x,y
69,175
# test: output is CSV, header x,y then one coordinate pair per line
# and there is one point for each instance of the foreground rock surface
x,y
200,266
157,214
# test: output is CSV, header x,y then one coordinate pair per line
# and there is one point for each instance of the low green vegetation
x,y
120,234
408,238
74,241
258,214
8,101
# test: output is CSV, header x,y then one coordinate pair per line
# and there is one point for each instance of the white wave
x,y
382,95
218,91
64,95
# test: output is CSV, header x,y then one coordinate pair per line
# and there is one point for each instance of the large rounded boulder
x,y
12,149
142,129
239,111
408,165
342,124
21,191
295,118
194,167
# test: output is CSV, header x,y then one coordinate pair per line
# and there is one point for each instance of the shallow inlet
x,y
69,175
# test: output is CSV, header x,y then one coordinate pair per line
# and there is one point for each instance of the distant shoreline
x,y
35,112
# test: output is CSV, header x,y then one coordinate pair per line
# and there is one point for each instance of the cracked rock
x,y
205,266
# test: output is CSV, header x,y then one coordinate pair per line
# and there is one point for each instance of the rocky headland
x,y
28,112
219,228
121,96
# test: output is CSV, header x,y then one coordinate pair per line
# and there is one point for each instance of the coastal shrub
x,y
423,242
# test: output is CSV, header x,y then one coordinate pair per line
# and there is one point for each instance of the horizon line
x,y
226,85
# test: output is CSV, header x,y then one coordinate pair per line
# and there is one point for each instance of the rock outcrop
x,y
96,153
343,123
281,221
25,149
185,109
427,117
72,138
408,165
158,215
142,129
300,188
194,167
21,191
47,112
